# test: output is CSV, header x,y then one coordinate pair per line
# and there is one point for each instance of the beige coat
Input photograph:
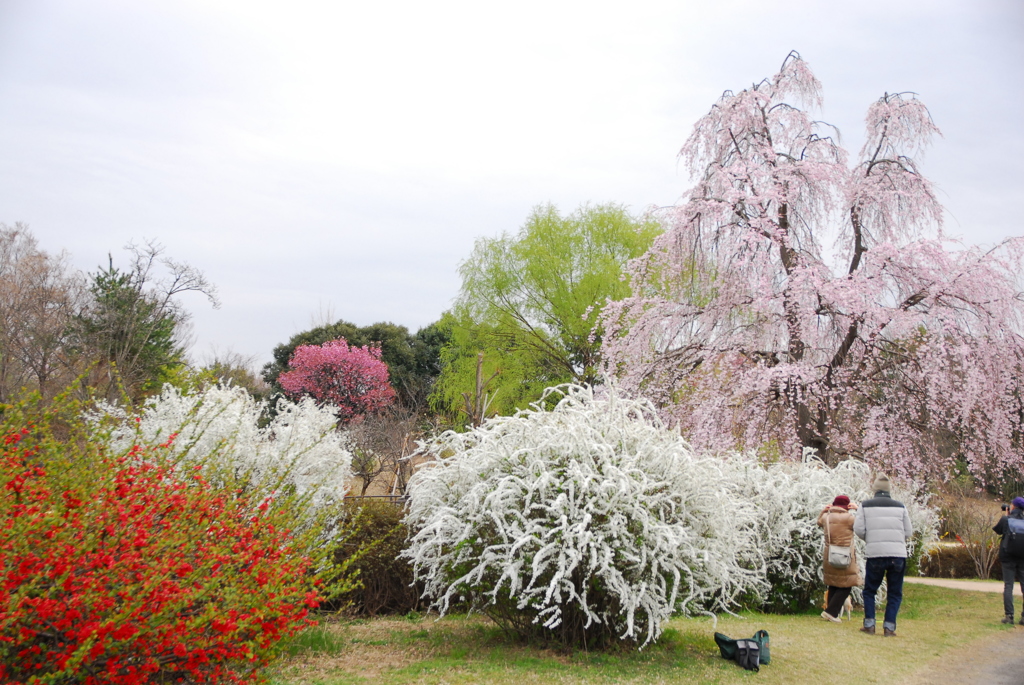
x,y
840,524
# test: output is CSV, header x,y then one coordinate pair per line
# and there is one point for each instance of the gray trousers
x,y
1013,570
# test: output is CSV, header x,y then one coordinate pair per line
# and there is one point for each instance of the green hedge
x,y
952,561
385,582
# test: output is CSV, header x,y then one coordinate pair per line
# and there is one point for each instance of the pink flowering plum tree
x,y
801,301
352,379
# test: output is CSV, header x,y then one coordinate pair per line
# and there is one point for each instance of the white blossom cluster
x,y
595,509
790,496
595,497
299,451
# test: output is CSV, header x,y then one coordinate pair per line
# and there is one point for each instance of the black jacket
x,y
1002,528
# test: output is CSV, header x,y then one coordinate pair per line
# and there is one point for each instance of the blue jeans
x,y
892,569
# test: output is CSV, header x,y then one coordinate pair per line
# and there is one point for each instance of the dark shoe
x,y
869,631
1021,620
888,633
1009,619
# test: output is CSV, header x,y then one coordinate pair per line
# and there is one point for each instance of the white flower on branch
x,y
299,452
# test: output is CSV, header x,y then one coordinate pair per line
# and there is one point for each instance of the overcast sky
x,y
341,157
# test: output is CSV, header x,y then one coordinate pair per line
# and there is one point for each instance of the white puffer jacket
x,y
884,524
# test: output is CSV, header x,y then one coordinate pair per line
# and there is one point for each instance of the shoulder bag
x,y
839,556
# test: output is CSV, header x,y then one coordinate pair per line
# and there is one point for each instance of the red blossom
x,y
145,573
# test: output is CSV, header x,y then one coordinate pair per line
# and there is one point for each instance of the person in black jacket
x,y
1012,562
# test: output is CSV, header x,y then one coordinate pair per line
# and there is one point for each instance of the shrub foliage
x,y
384,584
118,567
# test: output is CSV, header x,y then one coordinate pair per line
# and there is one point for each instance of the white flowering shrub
x,y
299,455
296,467
581,524
790,496
593,521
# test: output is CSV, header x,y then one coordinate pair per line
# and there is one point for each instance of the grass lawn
x,y
933,622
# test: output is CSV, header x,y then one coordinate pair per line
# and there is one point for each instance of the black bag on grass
x,y
745,654
748,655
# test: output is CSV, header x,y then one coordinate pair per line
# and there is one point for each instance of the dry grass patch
x,y
362,649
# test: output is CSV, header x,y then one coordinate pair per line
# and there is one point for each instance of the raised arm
x,y
858,525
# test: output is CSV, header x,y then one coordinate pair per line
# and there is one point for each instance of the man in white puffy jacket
x,y
884,524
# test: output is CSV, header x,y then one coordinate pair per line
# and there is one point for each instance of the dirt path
x,y
997,660
976,585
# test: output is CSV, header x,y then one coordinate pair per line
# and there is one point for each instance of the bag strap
x,y
828,531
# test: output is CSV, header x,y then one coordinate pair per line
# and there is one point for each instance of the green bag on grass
x,y
727,646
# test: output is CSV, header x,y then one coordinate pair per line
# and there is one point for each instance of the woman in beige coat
x,y
837,522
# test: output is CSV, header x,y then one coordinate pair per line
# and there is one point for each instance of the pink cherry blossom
x,y
799,301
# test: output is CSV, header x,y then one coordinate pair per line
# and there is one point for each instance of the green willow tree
x,y
531,303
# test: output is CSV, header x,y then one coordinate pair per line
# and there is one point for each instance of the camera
x,y
1004,507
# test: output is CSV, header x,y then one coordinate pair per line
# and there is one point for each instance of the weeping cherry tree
x,y
798,301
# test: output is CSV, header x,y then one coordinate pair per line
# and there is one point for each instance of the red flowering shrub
x,y
119,569
352,379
